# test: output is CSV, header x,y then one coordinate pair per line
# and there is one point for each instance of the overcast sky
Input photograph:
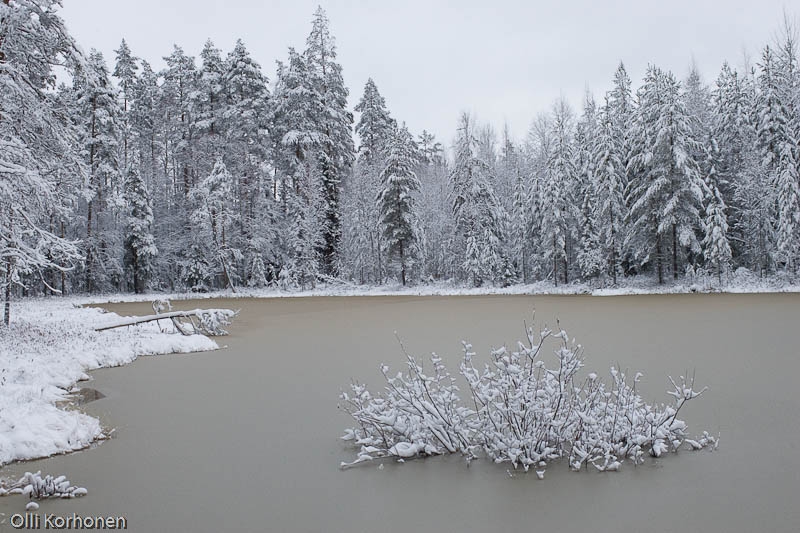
x,y
502,60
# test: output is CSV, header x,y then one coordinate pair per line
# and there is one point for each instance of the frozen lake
x,y
247,438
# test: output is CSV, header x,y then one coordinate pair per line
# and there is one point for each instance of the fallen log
x,y
204,321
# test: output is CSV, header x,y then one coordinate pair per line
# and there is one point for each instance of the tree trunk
x,y
674,252
135,274
89,258
7,307
96,190
63,274
613,249
524,264
2,55
555,261
658,260
378,254
402,265
7,310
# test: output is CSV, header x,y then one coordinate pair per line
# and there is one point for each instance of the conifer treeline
x,y
207,175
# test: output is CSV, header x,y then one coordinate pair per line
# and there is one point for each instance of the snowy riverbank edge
x,y
741,284
47,350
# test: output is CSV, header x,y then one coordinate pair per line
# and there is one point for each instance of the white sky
x,y
503,60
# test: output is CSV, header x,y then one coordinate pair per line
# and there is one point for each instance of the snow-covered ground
x,y
48,348
743,281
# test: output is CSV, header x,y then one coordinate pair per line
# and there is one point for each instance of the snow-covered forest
x,y
215,173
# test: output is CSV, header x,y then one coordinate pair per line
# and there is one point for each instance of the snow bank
x,y
48,348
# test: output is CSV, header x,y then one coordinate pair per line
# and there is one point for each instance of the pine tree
x,y
396,203
140,248
125,71
430,150
209,105
178,93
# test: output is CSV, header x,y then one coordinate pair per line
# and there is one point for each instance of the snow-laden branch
x,y
203,321
520,410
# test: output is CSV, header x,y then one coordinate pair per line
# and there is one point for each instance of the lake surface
x,y
247,438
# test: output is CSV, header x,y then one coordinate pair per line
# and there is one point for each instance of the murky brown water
x,y
246,438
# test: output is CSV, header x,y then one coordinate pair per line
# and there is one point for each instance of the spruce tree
x,y
375,127
245,116
590,254
666,193
98,113
362,246
611,209
140,248
396,203
476,211
335,125
716,248
788,192
558,195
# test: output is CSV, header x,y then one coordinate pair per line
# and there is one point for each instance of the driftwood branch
x,y
203,321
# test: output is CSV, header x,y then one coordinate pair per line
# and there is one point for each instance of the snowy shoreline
x,y
47,350
741,285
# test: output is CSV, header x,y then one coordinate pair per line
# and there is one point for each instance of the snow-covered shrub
x,y
37,487
519,410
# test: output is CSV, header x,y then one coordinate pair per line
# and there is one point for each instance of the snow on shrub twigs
x,y
518,410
